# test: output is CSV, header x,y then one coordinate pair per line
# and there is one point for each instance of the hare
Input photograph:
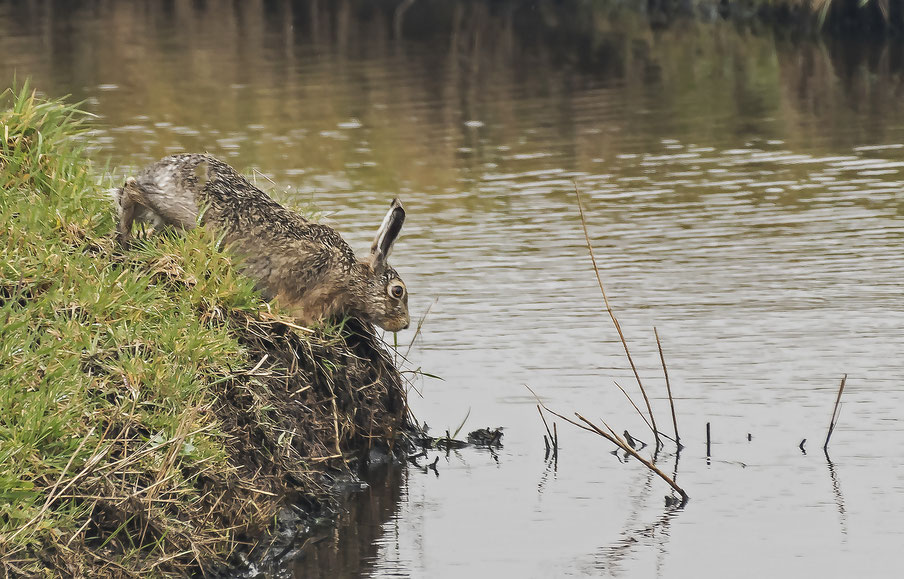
x,y
307,266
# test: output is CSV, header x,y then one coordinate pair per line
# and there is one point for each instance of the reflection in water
x,y
638,535
348,549
839,496
744,196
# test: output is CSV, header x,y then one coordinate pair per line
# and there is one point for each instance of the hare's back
x,y
178,186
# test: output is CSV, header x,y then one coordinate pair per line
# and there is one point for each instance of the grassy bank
x,y
154,412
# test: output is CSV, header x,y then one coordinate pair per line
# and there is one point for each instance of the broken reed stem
x,y
553,436
543,418
627,448
834,420
621,335
615,439
668,387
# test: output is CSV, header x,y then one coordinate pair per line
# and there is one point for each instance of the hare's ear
x,y
387,234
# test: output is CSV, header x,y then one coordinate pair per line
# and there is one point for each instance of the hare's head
x,y
386,302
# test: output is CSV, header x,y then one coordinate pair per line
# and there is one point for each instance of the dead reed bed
x,y
626,443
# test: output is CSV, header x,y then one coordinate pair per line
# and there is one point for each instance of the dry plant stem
x,y
172,454
668,387
621,335
335,417
543,418
834,420
420,325
614,438
627,448
553,436
50,495
639,412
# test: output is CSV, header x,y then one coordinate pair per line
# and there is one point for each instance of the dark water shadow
x,y
349,548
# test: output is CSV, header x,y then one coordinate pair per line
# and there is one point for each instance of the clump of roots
x,y
307,406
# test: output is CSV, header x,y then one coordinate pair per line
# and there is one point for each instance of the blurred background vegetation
x,y
262,76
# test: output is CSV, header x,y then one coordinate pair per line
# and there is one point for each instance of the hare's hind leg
x,y
129,197
160,206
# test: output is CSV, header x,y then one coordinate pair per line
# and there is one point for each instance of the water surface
x,y
743,194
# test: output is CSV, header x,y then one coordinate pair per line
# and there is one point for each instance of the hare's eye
x,y
396,290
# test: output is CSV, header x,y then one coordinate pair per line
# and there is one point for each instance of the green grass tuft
x,y
91,340
133,439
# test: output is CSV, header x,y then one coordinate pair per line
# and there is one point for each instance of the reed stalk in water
x,y
668,387
835,413
615,439
618,329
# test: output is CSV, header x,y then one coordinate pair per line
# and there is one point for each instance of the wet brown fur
x,y
307,266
